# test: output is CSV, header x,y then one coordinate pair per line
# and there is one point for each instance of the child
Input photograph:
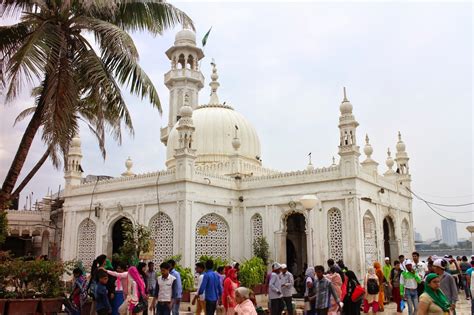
x,y
101,295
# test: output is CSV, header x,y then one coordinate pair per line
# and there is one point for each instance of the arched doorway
x,y
389,241
117,234
296,252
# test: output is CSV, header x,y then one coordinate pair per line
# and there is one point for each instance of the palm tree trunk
x,y
32,173
20,156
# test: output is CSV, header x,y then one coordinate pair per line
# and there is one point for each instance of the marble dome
x,y
214,134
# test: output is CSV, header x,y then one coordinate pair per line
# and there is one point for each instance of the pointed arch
x,y
86,242
370,238
256,222
335,234
162,231
212,237
405,237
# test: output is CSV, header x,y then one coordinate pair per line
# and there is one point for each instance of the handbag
x,y
140,306
358,293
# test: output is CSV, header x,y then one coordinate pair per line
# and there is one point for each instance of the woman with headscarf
x,y
231,283
244,304
135,289
142,268
372,289
336,282
309,291
350,283
380,275
97,264
433,301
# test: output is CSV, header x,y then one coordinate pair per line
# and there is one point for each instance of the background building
x,y
449,232
438,235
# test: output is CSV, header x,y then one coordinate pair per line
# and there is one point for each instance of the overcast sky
x,y
406,66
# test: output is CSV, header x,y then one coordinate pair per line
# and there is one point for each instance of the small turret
x,y
348,149
369,163
73,169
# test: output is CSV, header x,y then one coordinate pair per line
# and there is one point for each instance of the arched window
x,y
190,63
161,228
370,239
212,237
335,234
405,237
257,227
86,240
181,62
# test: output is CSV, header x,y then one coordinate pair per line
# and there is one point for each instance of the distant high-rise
x,y
438,234
418,237
449,232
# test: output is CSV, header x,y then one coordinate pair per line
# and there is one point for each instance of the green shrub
x,y
252,272
261,249
218,262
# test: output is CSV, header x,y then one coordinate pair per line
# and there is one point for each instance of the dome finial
x,y
368,148
310,166
214,84
333,161
128,166
345,95
346,106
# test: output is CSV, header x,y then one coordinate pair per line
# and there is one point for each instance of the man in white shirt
x,y
201,299
166,291
274,291
287,283
420,268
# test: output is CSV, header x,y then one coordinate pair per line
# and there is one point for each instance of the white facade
x,y
215,197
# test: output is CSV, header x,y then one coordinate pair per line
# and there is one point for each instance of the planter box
x,y
3,303
22,307
186,297
51,306
259,289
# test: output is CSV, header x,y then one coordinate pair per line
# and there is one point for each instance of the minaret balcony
x,y
184,74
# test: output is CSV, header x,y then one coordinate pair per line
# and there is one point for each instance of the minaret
x,y
401,158
73,170
185,154
348,149
184,76
369,163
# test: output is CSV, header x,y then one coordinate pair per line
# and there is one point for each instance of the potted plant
x,y
252,273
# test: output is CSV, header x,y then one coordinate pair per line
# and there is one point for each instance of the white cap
x,y
386,258
408,262
438,263
276,266
284,266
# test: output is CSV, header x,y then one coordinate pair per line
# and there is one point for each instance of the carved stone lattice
x,y
86,240
335,234
257,227
370,240
212,237
161,228
405,237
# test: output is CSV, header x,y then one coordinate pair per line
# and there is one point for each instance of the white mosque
x,y
215,197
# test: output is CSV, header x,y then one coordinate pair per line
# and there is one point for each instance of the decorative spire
x,y
214,85
368,148
128,165
345,95
310,166
333,161
389,162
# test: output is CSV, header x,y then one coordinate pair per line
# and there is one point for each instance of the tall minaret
x,y
348,149
401,158
184,76
73,170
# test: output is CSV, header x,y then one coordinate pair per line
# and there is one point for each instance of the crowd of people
x,y
430,287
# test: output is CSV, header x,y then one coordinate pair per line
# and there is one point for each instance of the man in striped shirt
x,y
323,290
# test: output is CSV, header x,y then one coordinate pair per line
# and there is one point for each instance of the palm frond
x,y
24,113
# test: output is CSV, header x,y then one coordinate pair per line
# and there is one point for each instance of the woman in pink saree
x,y
336,281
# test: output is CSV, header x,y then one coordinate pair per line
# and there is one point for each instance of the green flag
x,y
204,39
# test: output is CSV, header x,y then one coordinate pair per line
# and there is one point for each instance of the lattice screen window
x,y
370,240
161,228
335,234
212,237
257,227
86,240
405,237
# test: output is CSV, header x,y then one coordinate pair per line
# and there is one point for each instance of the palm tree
x,y
48,46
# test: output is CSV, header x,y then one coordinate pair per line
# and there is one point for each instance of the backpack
x,y
372,286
